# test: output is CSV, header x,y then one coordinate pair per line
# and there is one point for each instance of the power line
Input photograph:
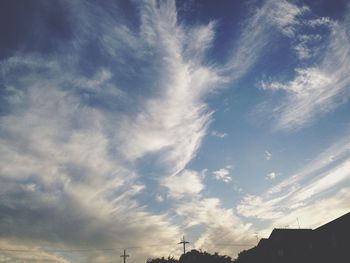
x,y
112,249
58,250
83,250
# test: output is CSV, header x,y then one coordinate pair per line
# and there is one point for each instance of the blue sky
x,y
125,124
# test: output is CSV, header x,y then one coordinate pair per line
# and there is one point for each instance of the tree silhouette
x,y
162,260
194,256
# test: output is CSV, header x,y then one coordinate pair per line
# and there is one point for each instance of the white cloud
x,y
318,212
223,174
272,207
204,173
258,31
200,39
315,90
332,178
56,164
271,175
74,158
159,198
61,165
268,155
284,15
255,206
322,21
219,222
186,183
310,190
175,121
12,252
302,51
69,155
252,41
339,150
308,46
218,134
68,162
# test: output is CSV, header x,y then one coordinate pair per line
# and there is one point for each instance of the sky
x,y
130,124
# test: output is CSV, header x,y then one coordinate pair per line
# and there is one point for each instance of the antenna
x,y
124,256
257,237
184,242
298,223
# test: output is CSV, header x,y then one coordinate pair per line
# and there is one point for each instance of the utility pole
x,y
298,223
184,242
124,256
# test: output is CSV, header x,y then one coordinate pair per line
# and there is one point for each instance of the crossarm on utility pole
x,y
184,242
124,256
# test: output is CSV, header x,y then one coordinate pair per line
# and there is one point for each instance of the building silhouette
x,y
328,243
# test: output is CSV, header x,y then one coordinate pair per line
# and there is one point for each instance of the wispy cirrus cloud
x,y
320,212
175,120
218,134
339,174
12,252
285,16
64,133
59,143
268,155
57,170
257,33
318,89
336,152
313,188
225,229
305,47
81,122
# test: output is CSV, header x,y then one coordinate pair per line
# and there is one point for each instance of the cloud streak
x,y
304,194
319,89
226,229
257,33
68,151
175,120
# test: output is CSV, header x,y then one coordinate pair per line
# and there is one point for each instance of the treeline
x,y
194,256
